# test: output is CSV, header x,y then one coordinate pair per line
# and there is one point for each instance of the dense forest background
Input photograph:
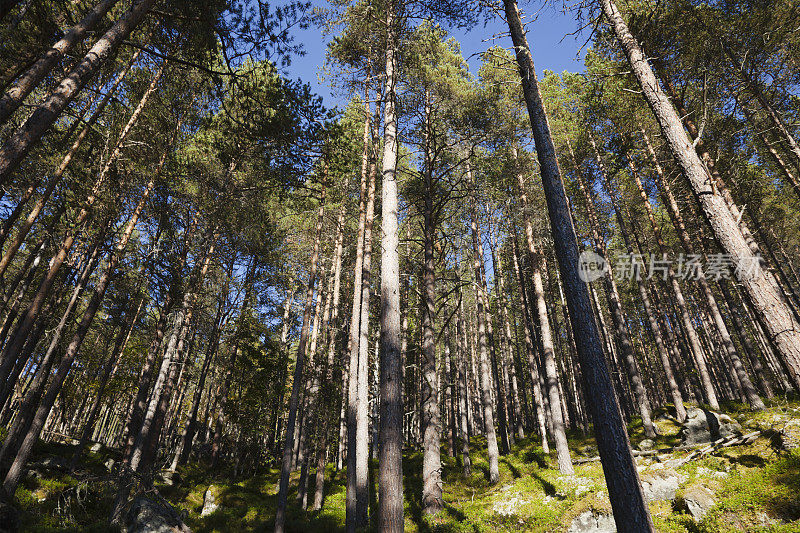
x,y
207,275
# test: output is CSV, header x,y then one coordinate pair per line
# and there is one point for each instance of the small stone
x,y
593,522
646,445
147,516
661,483
110,464
210,503
789,436
697,500
96,448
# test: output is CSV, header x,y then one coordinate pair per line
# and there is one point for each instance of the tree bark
x,y
627,500
545,334
28,81
29,134
297,381
390,472
760,285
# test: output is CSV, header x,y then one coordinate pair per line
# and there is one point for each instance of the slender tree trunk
x,y
55,179
283,490
354,519
14,473
329,397
546,336
483,350
529,348
432,501
627,500
686,242
463,390
26,83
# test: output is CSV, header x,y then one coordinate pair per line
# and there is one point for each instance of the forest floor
x,y
751,487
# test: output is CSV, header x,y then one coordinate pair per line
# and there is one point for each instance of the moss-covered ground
x,y
756,486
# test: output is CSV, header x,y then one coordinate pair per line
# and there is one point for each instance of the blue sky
x,y
552,48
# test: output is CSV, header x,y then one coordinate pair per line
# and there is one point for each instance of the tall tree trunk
x,y
55,179
14,473
627,500
642,282
463,390
484,377
356,503
760,284
432,501
545,334
686,242
329,396
529,346
390,473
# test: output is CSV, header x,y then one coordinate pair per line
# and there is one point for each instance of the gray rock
x,y
593,522
789,436
661,483
147,516
96,448
646,444
703,426
169,477
110,464
210,503
697,500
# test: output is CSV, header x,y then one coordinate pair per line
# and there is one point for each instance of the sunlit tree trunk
x,y
40,121
761,286
390,473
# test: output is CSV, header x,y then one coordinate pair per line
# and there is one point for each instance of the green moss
x,y
530,496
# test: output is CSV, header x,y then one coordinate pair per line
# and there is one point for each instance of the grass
x,y
757,488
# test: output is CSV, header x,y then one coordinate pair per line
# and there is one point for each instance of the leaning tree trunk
x,y
617,313
643,284
55,179
627,500
40,121
686,242
761,286
28,81
14,473
14,346
329,393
